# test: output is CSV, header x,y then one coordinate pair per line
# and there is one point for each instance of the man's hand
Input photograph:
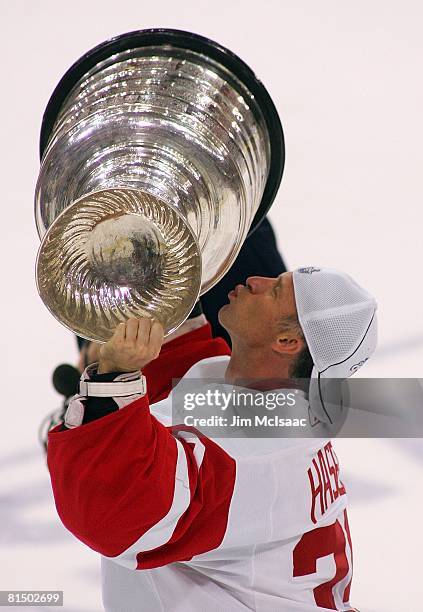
x,y
133,345
90,353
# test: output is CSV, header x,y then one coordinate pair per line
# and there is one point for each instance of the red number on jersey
x,y
319,543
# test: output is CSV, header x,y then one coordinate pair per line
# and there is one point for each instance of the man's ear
x,y
287,345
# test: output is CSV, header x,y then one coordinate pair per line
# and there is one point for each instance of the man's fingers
x,y
156,336
144,325
120,332
133,345
132,325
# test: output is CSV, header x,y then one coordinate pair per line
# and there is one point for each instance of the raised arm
x,y
129,487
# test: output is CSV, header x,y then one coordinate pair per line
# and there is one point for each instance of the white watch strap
x,y
112,389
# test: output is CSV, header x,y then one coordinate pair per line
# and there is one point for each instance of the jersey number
x,y
319,543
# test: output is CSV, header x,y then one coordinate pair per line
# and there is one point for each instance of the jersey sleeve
x,y
139,492
146,495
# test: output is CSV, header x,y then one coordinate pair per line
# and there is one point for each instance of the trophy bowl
x,y
160,152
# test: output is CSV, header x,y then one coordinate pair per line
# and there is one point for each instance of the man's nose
x,y
259,284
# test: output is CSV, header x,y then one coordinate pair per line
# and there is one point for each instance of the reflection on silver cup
x,y
160,151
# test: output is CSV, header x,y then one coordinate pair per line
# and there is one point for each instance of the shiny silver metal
x,y
153,172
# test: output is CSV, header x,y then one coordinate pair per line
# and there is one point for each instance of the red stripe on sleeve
x,y
202,527
114,479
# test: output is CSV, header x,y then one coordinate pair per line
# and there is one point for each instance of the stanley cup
x,y
161,151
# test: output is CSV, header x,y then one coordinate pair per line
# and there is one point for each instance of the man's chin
x,y
221,315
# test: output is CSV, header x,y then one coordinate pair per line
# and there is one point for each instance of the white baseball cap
x,y
338,319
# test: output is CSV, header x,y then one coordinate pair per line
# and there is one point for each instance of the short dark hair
x,y
303,365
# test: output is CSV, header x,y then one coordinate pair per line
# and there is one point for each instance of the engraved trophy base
x,y
115,254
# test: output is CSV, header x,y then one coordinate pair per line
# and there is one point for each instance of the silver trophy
x,y
161,151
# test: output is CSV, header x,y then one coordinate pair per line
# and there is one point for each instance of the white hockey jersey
x,y
189,524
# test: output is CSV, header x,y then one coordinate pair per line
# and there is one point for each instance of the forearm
x,y
126,485
129,489
105,474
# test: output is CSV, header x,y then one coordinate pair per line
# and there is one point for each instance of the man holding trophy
x,y
161,151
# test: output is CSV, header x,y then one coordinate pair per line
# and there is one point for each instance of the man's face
x,y
255,311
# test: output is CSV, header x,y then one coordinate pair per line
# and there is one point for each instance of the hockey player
x,y
186,523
